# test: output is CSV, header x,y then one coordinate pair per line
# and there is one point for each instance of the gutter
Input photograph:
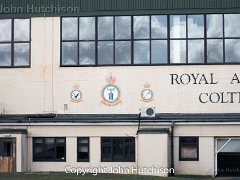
x,y
70,123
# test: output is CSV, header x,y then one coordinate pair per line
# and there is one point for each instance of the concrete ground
x,y
227,178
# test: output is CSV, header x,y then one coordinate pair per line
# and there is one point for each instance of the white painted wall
x,y
205,165
24,151
207,134
153,154
46,87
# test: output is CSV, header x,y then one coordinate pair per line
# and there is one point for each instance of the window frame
x,y
55,144
12,42
88,145
181,144
124,148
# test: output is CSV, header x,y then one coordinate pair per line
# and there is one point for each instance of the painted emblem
x,y
111,93
76,94
147,93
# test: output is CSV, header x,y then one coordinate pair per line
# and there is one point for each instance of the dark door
x,y
7,154
228,163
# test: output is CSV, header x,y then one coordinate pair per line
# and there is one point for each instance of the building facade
x,y
120,86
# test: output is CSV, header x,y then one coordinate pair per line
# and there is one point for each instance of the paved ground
x,y
227,178
64,176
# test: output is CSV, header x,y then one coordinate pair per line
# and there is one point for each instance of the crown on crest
x,y
111,79
146,85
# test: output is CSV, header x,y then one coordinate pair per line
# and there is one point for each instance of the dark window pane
x,y
5,29
21,54
5,54
118,150
49,140
69,53
7,149
38,152
122,52
106,153
49,147
105,52
159,26
38,140
105,28
122,27
159,52
83,151
69,28
188,147
188,140
177,51
106,141
130,153
141,52
178,26
129,141
196,51
21,29
83,155
195,26
232,25
141,27
87,28
189,152
214,51
60,153
60,140
87,53
83,140
232,50
214,25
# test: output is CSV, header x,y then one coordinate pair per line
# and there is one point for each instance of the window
x,y
117,149
150,40
14,42
49,149
7,147
83,149
188,149
232,40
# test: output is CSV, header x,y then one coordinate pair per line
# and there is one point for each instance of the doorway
x,y
7,154
228,157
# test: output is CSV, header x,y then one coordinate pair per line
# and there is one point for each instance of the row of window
x,y
131,40
113,149
155,39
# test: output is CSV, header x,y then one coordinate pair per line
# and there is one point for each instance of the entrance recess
x,y
7,154
228,157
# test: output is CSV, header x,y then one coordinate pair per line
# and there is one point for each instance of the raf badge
x,y
111,93
147,93
76,95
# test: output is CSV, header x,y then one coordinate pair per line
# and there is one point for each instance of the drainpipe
x,y
139,119
172,148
